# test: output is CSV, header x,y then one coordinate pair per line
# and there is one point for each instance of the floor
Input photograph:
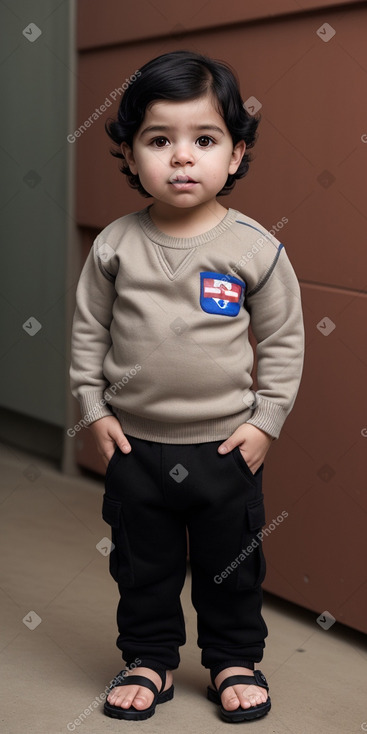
x,y
57,650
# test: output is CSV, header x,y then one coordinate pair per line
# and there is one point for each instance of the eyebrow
x,y
166,128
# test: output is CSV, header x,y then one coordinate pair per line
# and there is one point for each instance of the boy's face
x,y
183,152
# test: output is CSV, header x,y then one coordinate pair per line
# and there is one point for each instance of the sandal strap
x,y
257,679
141,680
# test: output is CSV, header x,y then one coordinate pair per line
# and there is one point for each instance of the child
x,y
161,365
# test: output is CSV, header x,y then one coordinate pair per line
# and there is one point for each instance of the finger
x,y
235,439
224,447
122,442
228,445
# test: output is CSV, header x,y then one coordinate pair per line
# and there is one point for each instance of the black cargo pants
x,y
151,495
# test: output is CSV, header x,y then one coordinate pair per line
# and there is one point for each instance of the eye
x,y
159,142
205,141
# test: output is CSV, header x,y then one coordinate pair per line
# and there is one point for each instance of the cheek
x,y
219,162
153,169
151,177
219,170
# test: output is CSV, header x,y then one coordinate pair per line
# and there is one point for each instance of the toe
x,y
230,700
123,696
251,696
245,696
142,700
249,700
137,696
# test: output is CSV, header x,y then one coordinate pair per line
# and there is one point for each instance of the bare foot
x,y
240,695
138,696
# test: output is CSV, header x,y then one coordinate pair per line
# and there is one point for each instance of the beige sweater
x,y
160,330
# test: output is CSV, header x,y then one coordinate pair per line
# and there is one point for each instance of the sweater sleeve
x,y
277,324
90,335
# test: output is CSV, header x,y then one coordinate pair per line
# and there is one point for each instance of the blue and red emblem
x,y
221,294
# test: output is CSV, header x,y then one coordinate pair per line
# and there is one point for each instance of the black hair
x,y
177,76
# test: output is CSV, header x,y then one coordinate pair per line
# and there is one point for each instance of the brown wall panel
x,y
316,471
118,22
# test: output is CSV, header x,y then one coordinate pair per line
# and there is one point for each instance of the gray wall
x,y
36,78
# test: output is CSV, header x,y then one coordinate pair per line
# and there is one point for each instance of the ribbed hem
x,y
194,432
268,416
93,406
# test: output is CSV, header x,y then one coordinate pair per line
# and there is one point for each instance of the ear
x,y
129,157
237,155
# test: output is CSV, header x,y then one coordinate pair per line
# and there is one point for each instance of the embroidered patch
x,y
221,294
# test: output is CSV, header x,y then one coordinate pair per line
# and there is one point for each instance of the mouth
x,y
183,183
180,180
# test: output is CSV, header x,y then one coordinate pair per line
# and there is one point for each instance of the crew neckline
x,y
183,243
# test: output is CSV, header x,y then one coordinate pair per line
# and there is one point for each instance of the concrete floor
x,y
54,670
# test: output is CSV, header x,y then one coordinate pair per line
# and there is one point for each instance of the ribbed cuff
x,y
268,416
93,406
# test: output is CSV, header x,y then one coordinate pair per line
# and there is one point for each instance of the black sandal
x,y
240,714
133,714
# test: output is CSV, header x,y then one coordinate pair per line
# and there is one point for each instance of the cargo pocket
x,y
120,562
252,567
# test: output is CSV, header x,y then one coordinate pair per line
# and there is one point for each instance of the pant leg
x,y
227,560
149,558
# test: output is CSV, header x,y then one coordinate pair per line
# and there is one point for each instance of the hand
x,y
107,433
252,442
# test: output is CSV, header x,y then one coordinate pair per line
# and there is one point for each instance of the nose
x,y
182,154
